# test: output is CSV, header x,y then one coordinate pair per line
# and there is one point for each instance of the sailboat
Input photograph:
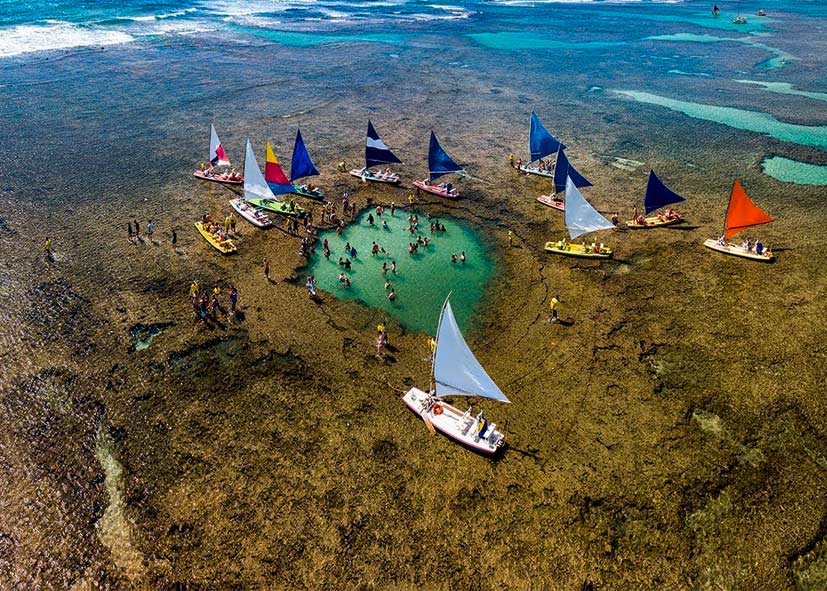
x,y
302,166
376,152
540,144
581,218
249,212
741,214
439,164
258,192
456,372
563,170
217,157
657,196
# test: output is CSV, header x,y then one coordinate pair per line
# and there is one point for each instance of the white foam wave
x,y
57,35
177,28
160,17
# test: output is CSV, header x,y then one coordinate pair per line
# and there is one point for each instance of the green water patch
x,y
685,73
300,39
793,171
143,334
779,60
786,88
758,122
422,280
515,40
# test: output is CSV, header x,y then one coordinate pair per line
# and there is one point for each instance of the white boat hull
x,y
250,213
549,174
454,424
552,201
738,251
375,177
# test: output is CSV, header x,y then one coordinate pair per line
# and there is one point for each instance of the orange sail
x,y
742,213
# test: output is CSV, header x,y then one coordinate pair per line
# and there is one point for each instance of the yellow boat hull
x,y
224,247
578,251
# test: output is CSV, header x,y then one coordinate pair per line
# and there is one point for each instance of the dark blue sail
x,y
563,169
540,142
376,152
439,162
658,194
301,165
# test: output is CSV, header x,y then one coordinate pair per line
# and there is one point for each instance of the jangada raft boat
x,y
456,372
581,218
540,144
217,158
439,164
224,246
302,166
258,192
563,170
741,214
376,152
657,195
252,214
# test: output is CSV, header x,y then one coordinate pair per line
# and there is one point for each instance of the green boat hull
x,y
278,207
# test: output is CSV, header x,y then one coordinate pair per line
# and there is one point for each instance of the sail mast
x,y
436,343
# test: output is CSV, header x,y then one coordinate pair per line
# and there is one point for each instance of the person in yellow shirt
x,y
431,345
510,238
553,305
193,289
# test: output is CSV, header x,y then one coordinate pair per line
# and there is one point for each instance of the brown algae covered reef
x,y
667,434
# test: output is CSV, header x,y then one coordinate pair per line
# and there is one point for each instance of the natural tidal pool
x,y
422,280
792,171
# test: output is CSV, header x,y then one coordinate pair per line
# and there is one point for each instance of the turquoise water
x,y
422,280
302,39
786,88
792,171
530,40
804,135
779,60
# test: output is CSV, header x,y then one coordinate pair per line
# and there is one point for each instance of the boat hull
x,y
454,424
250,213
653,222
553,202
535,170
737,251
278,207
437,190
316,194
578,251
367,175
226,247
199,174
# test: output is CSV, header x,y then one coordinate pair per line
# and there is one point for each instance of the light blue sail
x,y
456,371
563,170
581,217
439,162
540,142
301,165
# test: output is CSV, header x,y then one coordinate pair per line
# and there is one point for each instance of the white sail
x,y
255,187
217,155
456,370
581,217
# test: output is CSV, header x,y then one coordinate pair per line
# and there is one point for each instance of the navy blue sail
x,y
540,142
376,152
439,162
563,169
658,194
301,165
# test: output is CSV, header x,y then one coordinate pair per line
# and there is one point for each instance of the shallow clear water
x,y
422,281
